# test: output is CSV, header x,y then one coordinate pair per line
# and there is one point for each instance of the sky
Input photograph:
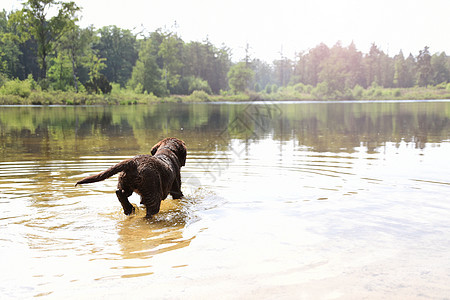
x,y
281,27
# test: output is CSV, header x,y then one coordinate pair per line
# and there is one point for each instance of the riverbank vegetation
x,y
110,65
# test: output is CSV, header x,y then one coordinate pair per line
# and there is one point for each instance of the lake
x,y
313,200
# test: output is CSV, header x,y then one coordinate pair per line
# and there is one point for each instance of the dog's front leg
x,y
175,191
128,208
176,195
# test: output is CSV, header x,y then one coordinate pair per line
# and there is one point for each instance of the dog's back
x,y
148,173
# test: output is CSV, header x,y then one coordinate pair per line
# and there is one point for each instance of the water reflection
x,y
61,132
142,238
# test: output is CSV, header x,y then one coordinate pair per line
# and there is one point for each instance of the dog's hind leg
x,y
152,204
128,208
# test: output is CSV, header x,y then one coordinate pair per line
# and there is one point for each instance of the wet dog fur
x,y
153,177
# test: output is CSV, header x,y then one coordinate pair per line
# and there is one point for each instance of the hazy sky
x,y
287,25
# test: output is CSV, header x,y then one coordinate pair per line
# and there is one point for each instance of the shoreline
x,y
52,98
256,102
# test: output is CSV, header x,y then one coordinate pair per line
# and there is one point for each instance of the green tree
x,y
60,72
440,68
373,66
17,55
334,71
379,68
312,63
28,60
97,81
263,73
239,77
9,48
119,47
33,21
170,50
146,73
76,44
424,71
400,70
343,69
355,67
205,61
283,70
221,66
198,84
410,73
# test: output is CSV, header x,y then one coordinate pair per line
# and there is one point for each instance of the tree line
x,y
42,44
340,68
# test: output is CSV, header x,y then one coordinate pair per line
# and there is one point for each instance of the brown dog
x,y
152,177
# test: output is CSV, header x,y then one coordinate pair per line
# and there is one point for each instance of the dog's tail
x,y
122,166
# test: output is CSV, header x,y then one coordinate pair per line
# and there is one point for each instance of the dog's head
x,y
178,147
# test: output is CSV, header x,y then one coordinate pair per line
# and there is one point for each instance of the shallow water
x,y
295,200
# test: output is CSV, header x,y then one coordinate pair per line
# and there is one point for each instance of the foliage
x,y
239,77
357,91
32,22
60,73
147,73
170,51
274,88
9,47
440,66
344,68
127,96
322,90
199,96
119,48
3,79
198,84
99,84
424,71
263,73
205,61
16,87
43,40
75,45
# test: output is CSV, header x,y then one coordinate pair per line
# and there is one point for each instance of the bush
x,y
199,96
274,88
139,89
299,87
98,84
116,89
308,88
33,83
37,98
358,91
3,79
397,93
441,86
198,84
17,87
346,95
321,90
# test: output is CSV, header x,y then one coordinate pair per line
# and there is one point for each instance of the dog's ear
x,y
155,148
